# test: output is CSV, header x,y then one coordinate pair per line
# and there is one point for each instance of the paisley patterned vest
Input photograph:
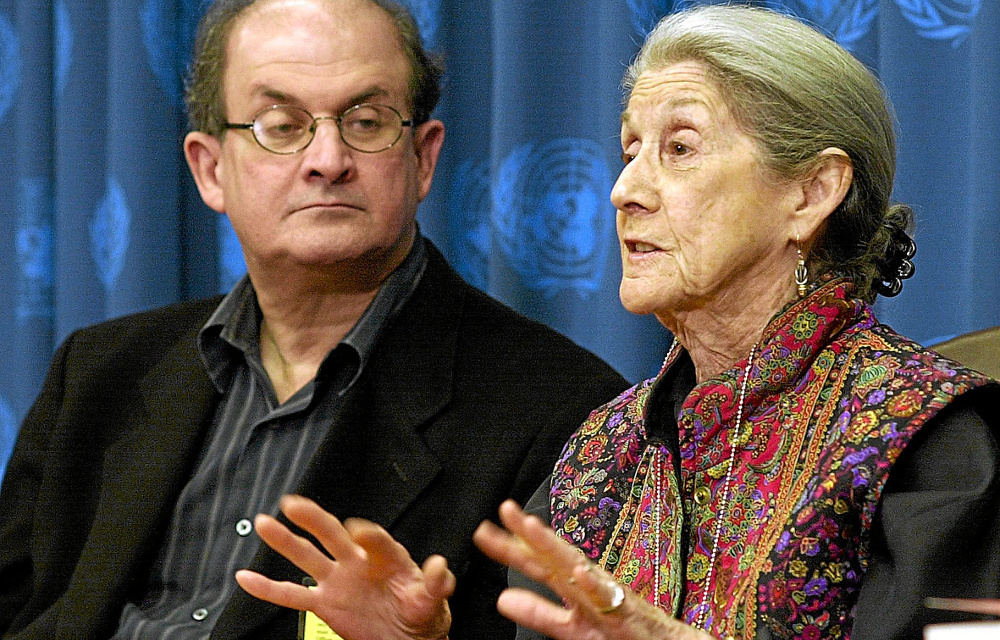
x,y
832,399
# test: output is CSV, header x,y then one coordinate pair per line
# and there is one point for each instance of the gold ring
x,y
617,598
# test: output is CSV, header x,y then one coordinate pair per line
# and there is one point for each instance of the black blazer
x,y
463,404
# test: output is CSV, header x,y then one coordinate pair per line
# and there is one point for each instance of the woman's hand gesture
x,y
595,607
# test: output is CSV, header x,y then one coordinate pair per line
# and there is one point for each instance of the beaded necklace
x,y
723,510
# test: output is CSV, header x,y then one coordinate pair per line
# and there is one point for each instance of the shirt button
x,y
200,614
244,527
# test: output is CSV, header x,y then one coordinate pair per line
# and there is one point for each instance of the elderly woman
x,y
796,469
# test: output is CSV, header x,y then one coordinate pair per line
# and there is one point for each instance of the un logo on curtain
x,y
10,65
551,212
8,434
646,13
168,28
63,46
941,19
34,249
427,14
846,21
109,234
469,221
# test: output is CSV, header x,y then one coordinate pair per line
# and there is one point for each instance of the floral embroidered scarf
x,y
832,399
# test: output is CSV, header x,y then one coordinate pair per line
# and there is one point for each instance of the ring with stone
x,y
617,598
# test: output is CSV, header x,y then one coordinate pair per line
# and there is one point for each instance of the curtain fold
x,y
100,217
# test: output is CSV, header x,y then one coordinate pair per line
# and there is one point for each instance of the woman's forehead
x,y
681,88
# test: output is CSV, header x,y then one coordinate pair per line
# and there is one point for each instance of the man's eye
x,y
364,124
627,158
284,129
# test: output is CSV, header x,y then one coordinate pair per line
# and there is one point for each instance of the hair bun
x,y
896,265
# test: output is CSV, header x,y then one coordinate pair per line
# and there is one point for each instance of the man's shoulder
x,y
177,317
142,335
492,332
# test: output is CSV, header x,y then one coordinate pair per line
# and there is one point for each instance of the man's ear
x,y
203,153
823,189
427,141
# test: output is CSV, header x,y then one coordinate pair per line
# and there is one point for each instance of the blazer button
x,y
199,614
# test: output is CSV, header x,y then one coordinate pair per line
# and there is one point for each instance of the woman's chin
x,y
643,296
641,305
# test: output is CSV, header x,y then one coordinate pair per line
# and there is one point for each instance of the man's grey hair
x,y
203,86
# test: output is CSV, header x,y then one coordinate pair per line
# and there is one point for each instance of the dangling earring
x,y
801,272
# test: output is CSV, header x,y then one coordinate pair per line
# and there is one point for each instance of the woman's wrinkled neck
x,y
721,332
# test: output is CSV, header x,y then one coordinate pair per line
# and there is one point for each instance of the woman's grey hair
x,y
203,86
797,92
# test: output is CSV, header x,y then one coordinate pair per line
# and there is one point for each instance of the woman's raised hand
x,y
370,589
595,607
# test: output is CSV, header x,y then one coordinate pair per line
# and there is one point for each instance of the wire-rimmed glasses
x,y
285,129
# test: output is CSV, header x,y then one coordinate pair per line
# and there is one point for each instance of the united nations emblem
x,y
469,220
63,46
34,236
168,28
941,19
551,214
646,13
845,22
109,234
427,13
34,249
10,65
8,434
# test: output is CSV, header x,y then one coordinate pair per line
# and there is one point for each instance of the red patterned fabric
x,y
832,399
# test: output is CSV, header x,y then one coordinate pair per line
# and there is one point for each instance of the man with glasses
x,y
351,366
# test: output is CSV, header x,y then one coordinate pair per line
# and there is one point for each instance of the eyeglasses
x,y
285,129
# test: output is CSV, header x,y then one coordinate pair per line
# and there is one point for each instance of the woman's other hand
x,y
371,588
595,606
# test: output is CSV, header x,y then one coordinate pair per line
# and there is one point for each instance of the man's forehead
x,y
344,9
314,32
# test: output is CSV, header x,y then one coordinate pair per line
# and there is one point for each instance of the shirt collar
x,y
233,330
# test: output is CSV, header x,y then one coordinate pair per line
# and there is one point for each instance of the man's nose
x,y
328,155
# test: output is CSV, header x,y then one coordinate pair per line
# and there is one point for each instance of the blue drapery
x,y
100,217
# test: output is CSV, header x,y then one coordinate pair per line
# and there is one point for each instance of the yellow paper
x,y
313,628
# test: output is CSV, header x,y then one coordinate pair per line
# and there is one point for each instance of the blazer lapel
x,y
142,476
410,383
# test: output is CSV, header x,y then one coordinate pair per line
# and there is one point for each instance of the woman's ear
x,y
823,189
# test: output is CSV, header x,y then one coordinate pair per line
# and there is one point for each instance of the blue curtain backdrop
x,y
99,216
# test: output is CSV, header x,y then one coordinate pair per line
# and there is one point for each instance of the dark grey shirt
x,y
256,451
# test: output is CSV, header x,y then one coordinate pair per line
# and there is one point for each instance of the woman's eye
x,y
627,158
679,149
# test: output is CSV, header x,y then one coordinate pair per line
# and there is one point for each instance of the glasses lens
x,y
371,127
283,129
